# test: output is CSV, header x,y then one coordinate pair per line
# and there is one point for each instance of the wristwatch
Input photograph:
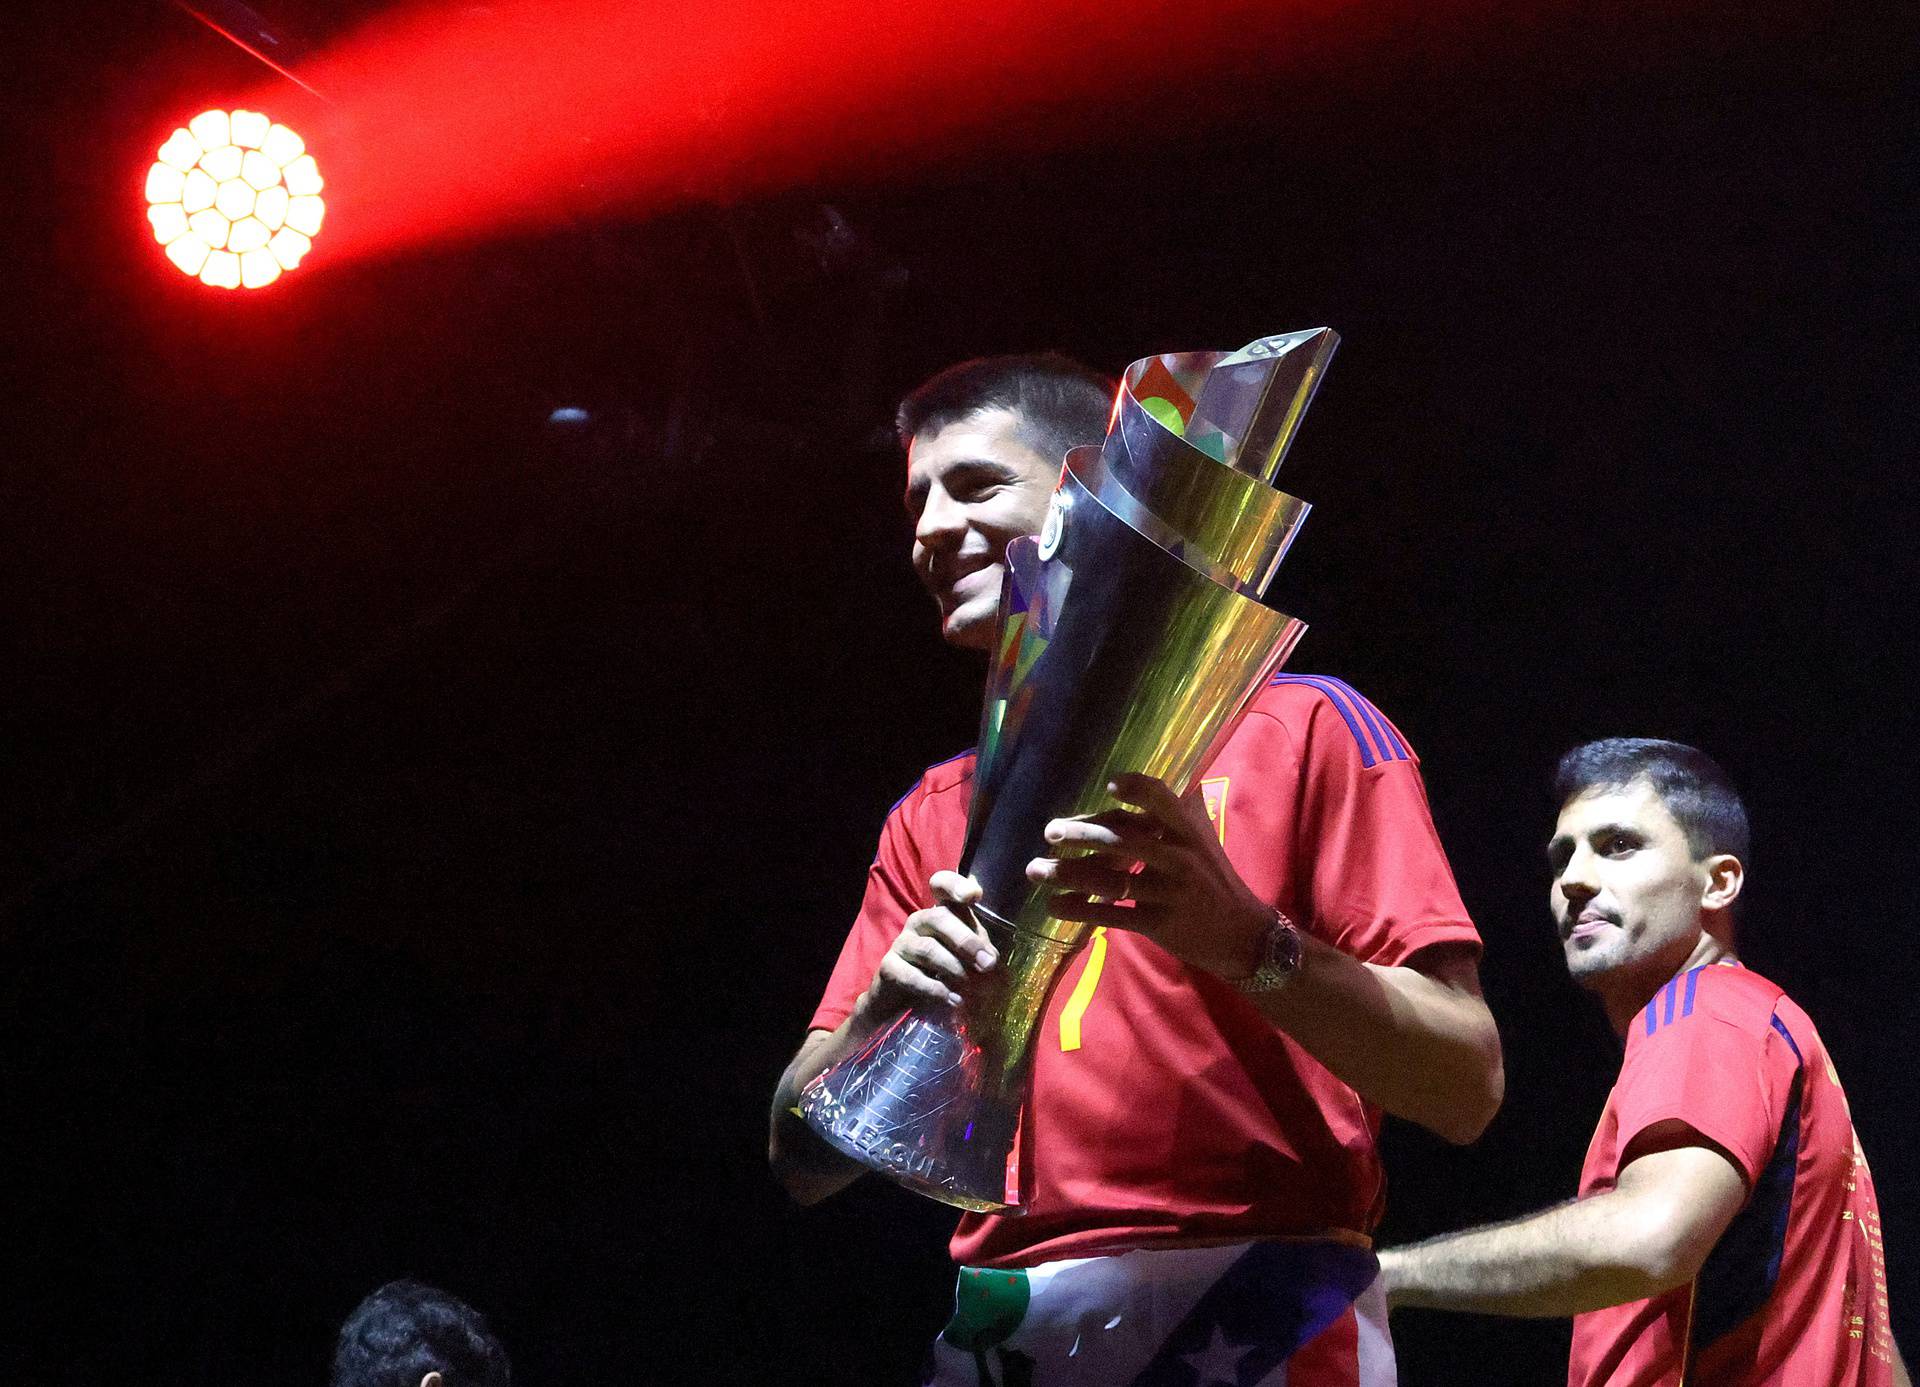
x,y
1280,954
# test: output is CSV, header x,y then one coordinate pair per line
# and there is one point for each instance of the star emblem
x,y
1219,1361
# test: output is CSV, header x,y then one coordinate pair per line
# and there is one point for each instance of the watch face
x,y
1280,957
1285,947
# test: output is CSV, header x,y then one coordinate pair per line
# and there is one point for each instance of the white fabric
x,y
1111,1321
1376,1362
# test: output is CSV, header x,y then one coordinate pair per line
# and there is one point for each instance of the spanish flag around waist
x,y
1164,1318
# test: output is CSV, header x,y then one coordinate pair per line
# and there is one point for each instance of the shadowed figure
x,y
409,1335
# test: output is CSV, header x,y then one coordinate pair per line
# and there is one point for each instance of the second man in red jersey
x,y
1726,1233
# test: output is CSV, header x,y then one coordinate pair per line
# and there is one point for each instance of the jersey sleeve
x,y
896,887
1378,883
1727,1076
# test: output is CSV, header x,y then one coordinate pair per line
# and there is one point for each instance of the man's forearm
x,y
1419,1042
806,1166
1424,1048
1566,1260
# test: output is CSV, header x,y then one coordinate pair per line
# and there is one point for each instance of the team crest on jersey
x,y
1214,793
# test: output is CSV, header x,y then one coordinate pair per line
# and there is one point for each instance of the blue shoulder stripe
x,y
1375,716
1661,1011
1372,733
959,756
1787,1036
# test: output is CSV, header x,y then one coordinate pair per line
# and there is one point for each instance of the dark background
x,y
427,829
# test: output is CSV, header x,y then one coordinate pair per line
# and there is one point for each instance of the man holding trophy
x,y
1135,981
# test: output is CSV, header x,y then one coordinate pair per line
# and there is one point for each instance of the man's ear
x,y
1726,874
433,1379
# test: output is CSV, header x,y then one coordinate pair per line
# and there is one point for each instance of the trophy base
x,y
894,1107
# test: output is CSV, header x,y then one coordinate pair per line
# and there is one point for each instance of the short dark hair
x,y
405,1330
1690,783
1061,403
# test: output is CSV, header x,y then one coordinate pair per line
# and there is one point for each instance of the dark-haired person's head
x,y
1689,782
1648,856
984,442
410,1335
1059,404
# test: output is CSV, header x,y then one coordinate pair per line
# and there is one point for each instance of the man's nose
x,y
1576,882
941,521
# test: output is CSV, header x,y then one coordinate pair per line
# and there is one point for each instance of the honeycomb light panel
x,y
234,199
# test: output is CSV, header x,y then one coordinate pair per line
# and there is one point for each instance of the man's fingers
x,y
1126,820
931,956
1149,792
950,888
964,939
1157,798
1093,876
1121,825
1131,843
909,980
961,892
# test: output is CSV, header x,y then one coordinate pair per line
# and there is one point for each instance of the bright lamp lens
x,y
221,188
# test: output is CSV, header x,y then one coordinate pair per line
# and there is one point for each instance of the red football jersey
x,y
1166,1108
1795,1291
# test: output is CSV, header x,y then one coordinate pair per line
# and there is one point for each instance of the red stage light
x,y
234,199
459,119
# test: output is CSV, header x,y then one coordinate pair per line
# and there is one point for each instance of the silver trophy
x,y
1131,638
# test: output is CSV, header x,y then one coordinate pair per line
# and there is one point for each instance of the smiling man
x,y
1726,1232
1279,960
974,485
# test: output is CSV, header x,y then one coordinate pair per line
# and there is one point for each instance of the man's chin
x,y
970,635
971,626
1584,965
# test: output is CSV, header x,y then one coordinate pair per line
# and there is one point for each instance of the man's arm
x,y
1645,1236
922,967
1416,1039
806,1167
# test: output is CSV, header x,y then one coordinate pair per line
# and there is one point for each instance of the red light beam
x,y
461,122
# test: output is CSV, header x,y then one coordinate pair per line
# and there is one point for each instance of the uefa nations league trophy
x,y
1131,638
